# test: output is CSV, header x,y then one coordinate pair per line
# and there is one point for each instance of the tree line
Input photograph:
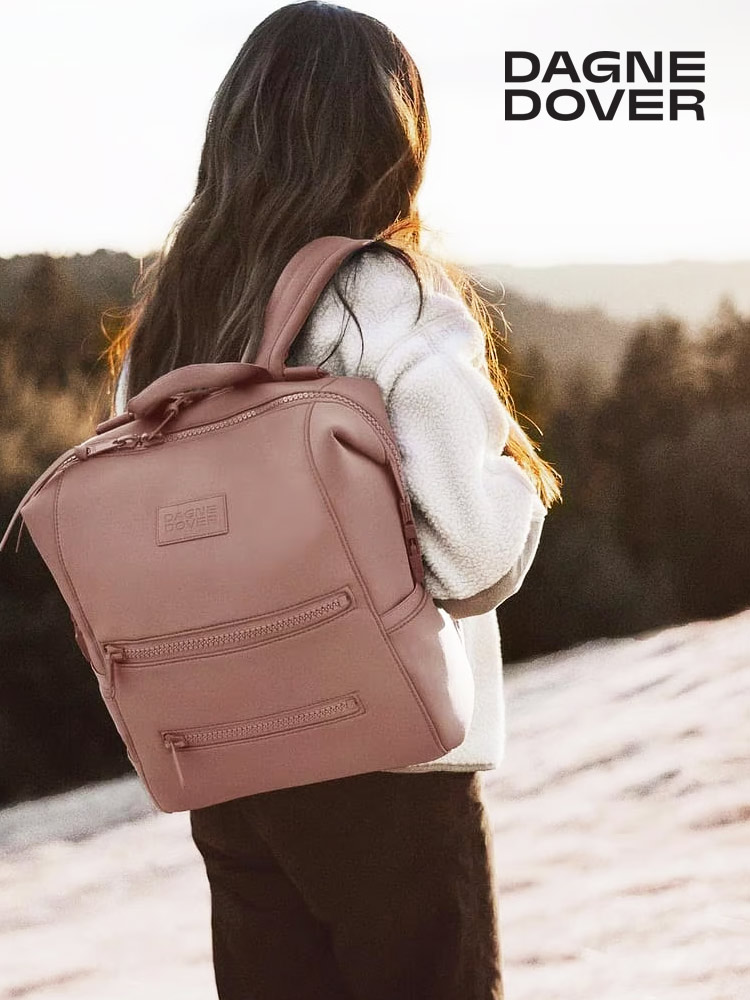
x,y
653,529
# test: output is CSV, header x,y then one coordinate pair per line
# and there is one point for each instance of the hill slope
x,y
621,826
689,289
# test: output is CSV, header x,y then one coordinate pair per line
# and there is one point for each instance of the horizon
x,y
663,262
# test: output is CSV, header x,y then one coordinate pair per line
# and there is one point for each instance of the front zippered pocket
x,y
279,723
225,636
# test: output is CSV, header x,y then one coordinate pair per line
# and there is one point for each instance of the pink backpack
x,y
241,565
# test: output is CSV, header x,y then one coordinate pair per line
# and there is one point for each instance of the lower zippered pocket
x,y
260,727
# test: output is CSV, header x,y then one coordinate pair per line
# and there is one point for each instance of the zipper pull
x,y
172,740
413,550
112,655
92,446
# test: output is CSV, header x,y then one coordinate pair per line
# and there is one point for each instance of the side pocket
x,y
405,609
432,651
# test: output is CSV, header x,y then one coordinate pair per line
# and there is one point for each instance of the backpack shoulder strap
x,y
299,286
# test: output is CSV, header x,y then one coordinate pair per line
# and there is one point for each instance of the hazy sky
x,y
104,105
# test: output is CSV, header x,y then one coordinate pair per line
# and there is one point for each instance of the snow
x,y
621,819
621,815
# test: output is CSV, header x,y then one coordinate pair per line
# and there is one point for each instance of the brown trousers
x,y
377,886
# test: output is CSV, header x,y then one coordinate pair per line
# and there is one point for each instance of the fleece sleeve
x,y
477,513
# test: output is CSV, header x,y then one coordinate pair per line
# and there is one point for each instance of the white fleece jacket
x,y
477,514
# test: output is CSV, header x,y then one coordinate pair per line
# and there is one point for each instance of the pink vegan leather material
x,y
243,573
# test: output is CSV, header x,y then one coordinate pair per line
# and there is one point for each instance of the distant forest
x,y
652,446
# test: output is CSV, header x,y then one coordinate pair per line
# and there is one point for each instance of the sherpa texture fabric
x,y
477,514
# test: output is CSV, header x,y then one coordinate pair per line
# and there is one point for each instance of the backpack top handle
x,y
297,290
299,286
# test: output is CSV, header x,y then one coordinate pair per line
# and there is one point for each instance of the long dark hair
x,y
319,128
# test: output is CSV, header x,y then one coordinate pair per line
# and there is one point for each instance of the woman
x,y
378,885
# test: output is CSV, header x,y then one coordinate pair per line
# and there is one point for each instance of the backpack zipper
x,y
137,442
320,394
231,635
201,737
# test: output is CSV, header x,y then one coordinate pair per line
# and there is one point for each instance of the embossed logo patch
x,y
192,519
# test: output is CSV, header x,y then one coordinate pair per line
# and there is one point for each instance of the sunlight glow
x,y
105,107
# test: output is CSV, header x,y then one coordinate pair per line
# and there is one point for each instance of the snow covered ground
x,y
622,819
622,848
